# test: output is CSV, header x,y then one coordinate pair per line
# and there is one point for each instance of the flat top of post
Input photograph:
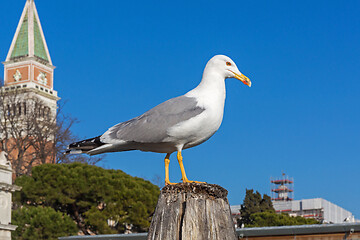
x,y
204,189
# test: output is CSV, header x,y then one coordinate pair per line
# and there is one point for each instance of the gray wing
x,y
152,126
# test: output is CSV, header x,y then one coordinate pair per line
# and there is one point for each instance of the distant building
x,y
282,196
282,191
318,208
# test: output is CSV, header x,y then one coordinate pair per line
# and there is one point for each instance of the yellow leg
x,y
167,162
184,178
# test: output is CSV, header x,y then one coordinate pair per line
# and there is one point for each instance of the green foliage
x,y
266,219
91,196
254,203
258,211
37,223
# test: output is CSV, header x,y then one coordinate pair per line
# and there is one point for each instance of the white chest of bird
x,y
211,98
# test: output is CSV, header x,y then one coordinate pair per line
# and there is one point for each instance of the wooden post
x,y
192,211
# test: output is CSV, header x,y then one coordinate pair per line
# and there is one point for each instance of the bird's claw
x,y
188,181
169,183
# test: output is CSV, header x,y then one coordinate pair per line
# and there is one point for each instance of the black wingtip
x,y
84,145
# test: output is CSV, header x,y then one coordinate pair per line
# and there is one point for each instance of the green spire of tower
x,y
21,48
39,48
29,40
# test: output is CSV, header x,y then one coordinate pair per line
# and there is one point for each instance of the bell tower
x,y
28,65
28,101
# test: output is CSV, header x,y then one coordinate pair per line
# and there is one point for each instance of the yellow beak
x,y
243,78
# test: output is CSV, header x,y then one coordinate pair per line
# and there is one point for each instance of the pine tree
x,y
254,203
41,223
100,201
258,211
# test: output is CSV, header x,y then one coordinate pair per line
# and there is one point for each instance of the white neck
x,y
211,89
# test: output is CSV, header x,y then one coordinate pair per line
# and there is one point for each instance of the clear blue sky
x,y
117,59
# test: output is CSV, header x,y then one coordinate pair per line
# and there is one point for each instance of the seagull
x,y
174,125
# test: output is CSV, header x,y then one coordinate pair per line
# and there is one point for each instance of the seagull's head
x,y
225,66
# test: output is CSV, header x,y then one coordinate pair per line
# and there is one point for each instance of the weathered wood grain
x,y
192,211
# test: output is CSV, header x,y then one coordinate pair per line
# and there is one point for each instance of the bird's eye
x,y
228,63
